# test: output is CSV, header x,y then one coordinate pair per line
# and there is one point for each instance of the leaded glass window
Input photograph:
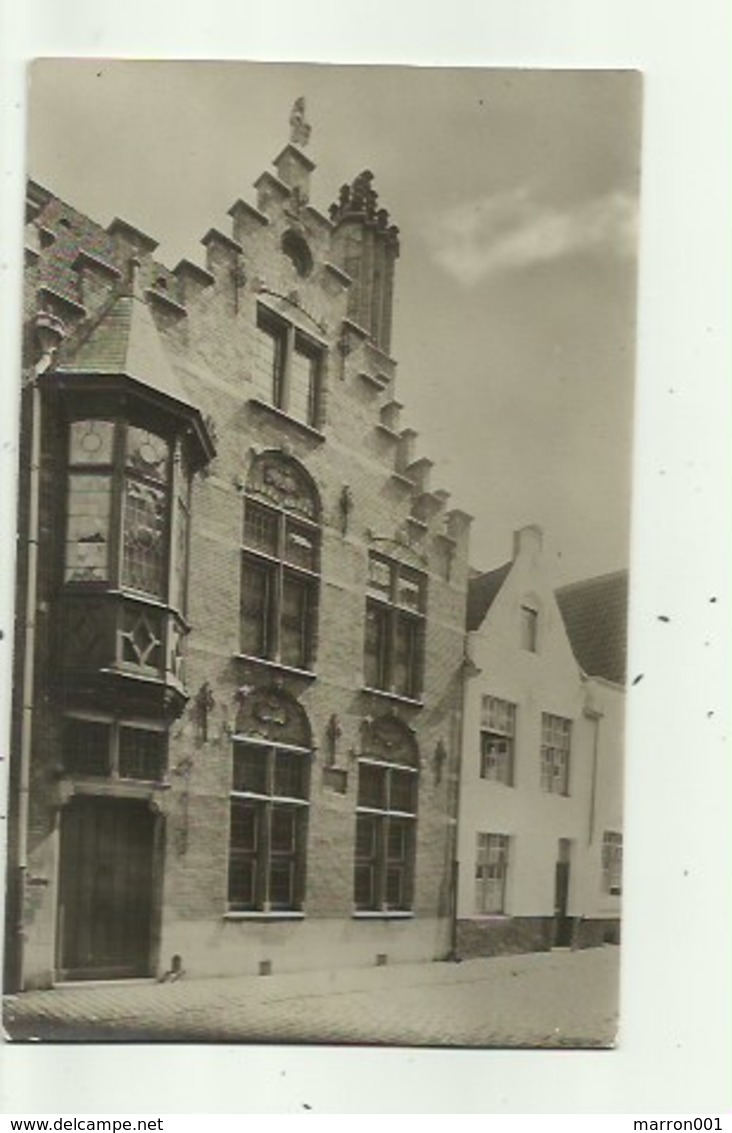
x,y
88,528
90,442
87,748
113,749
143,560
119,521
141,754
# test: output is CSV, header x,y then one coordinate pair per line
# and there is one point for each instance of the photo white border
x,y
675,1051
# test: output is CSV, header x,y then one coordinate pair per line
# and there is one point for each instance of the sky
x,y
516,195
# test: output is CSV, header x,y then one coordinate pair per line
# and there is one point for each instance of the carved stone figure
x,y
299,128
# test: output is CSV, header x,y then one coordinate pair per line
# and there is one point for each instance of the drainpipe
x,y
468,670
454,863
595,717
50,331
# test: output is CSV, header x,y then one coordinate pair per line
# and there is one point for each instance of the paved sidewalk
x,y
556,999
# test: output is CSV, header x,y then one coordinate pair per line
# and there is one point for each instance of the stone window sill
x,y
413,701
383,915
281,415
284,915
277,666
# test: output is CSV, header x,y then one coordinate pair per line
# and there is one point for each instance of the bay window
x,y
125,557
119,518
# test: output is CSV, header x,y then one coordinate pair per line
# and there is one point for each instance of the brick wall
x,y
209,332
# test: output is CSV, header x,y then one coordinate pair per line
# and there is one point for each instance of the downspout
x,y
50,331
595,717
468,670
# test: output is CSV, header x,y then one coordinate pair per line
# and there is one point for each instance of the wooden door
x,y
562,922
106,889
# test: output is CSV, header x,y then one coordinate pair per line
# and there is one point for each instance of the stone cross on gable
x,y
299,127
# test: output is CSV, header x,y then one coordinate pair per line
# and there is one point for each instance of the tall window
x,y
491,868
612,863
145,512
394,646
270,793
497,738
386,819
280,563
288,368
555,748
119,518
529,628
89,502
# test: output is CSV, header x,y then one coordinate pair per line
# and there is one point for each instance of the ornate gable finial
x,y
360,201
299,127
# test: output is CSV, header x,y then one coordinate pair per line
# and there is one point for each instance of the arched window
x,y
270,789
386,817
280,563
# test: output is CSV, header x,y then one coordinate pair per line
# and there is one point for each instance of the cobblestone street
x,y
556,999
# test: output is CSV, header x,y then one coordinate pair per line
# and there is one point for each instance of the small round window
x,y
296,249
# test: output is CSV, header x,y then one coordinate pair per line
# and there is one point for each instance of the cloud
x,y
510,231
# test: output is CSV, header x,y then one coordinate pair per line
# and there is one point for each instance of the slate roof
x,y
124,340
121,340
69,231
482,591
595,613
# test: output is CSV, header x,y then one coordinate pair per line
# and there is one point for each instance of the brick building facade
x,y
241,604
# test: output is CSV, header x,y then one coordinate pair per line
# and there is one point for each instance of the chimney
x,y
527,541
366,246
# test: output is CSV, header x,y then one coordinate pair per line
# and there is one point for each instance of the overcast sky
x,y
516,196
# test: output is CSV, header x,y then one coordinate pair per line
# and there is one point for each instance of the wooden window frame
x,y
393,614
485,844
384,819
492,733
265,804
612,863
278,570
556,754
290,340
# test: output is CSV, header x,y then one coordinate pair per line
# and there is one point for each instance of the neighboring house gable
x,y
540,800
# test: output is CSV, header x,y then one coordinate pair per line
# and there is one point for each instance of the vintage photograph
x,y
324,501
